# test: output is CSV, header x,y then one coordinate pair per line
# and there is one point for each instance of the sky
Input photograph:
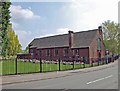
x,y
43,18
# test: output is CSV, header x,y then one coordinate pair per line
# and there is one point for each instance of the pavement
x,y
22,78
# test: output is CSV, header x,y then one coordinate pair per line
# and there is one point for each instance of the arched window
x,y
98,44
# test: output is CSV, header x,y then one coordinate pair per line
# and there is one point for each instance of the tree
x,y
9,43
0,28
14,45
5,17
110,36
118,40
18,47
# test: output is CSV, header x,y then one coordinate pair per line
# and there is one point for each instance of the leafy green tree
x,y
5,20
118,40
18,47
110,36
0,28
9,43
14,45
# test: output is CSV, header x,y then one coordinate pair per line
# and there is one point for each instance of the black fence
x,y
22,66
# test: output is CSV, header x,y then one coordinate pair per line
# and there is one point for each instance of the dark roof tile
x,y
52,41
81,39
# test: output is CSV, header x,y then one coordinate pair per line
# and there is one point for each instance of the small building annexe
x,y
85,44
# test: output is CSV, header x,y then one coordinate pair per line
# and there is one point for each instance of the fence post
x,y
40,65
113,59
84,62
73,63
110,59
92,63
98,61
59,63
16,66
102,61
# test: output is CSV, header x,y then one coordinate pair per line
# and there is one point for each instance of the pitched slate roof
x,y
52,41
84,38
81,39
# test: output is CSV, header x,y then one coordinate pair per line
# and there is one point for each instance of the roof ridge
x,y
86,31
66,34
51,36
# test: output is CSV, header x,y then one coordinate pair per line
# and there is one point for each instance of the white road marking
x,y
99,79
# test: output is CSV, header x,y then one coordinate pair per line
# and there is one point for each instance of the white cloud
x,y
15,25
82,15
46,35
57,32
18,13
19,16
29,8
24,37
89,14
62,30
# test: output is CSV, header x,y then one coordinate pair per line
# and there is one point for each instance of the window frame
x,y
76,51
66,51
98,44
56,52
40,53
48,52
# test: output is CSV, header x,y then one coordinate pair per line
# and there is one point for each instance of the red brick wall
x,y
93,46
84,52
52,54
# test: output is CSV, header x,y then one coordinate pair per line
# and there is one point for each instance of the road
x,y
100,79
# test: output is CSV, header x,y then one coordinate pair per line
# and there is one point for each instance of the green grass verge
x,y
9,67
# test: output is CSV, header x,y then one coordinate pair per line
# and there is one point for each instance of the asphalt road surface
x,y
101,79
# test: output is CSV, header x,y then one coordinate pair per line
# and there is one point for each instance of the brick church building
x,y
88,44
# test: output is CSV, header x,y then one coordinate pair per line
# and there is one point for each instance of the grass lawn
x,y
9,67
